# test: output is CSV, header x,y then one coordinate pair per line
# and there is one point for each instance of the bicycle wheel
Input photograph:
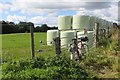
x,y
84,49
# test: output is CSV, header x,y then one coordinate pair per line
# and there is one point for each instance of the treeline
x,y
22,27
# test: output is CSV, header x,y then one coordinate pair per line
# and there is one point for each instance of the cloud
x,y
50,19
38,20
119,12
96,5
111,14
47,11
108,13
16,18
38,7
113,11
4,7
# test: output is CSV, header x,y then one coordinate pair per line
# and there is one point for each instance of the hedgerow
x,y
58,67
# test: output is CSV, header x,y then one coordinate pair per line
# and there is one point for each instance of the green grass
x,y
18,46
102,61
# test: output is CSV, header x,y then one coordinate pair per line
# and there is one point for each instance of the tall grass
x,y
103,61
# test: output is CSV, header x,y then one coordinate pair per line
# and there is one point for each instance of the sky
x,y
47,11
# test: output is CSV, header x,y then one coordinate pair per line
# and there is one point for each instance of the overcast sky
x,y
47,11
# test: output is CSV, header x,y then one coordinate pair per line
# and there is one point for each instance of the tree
x,y
44,28
22,27
7,27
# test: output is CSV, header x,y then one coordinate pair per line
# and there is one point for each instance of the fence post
x,y
108,31
57,45
96,34
118,38
32,41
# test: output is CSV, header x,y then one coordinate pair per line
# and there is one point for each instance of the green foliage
x,y
102,61
18,65
58,67
104,41
22,27
97,61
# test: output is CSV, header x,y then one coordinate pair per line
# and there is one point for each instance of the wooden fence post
x,y
118,38
57,45
32,41
96,34
108,31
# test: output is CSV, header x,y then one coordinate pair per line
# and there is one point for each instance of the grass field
x,y
102,61
18,46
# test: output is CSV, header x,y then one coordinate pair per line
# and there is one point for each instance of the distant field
x,y
17,46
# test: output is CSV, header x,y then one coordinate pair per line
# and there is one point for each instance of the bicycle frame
x,y
79,49
74,48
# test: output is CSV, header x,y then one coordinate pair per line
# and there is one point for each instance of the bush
x,y
59,67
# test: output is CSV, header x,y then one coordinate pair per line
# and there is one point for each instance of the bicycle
x,y
83,47
77,46
73,48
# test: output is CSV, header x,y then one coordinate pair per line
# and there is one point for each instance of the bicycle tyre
x,y
84,49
